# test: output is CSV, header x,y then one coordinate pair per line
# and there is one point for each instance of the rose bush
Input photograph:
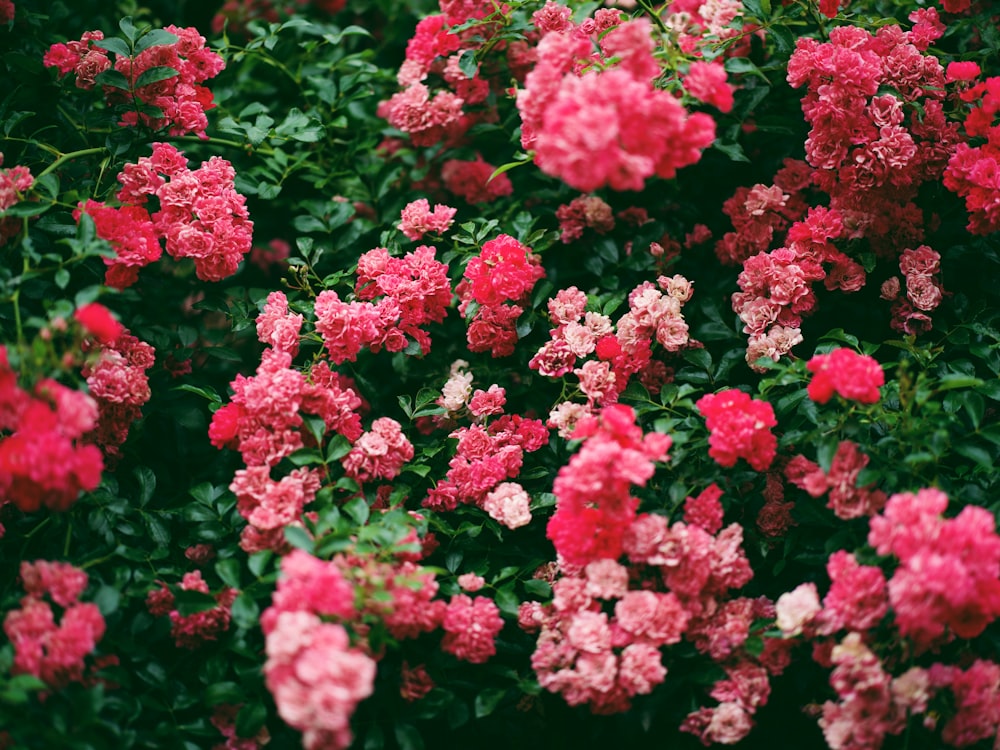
x,y
674,422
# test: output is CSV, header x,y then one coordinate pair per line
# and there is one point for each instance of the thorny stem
x,y
246,147
651,12
69,157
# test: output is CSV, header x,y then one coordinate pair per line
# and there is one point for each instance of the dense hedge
x,y
516,374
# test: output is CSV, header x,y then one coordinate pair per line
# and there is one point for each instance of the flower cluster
x,y
316,676
776,288
44,455
485,458
875,105
200,216
264,422
379,453
600,638
473,181
504,272
412,291
853,376
594,504
919,293
596,658
118,382
13,183
471,627
643,131
585,212
165,78
847,500
53,652
441,99
739,427
82,58
760,213
194,630
971,168
945,585
417,219
622,349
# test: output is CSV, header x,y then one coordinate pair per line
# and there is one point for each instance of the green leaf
x,y
147,483
114,44
974,453
506,168
743,66
154,75
206,493
306,456
488,700
158,530
224,692
299,537
191,602
358,510
784,38
467,64
755,9
128,28
62,278
26,208
258,561
990,389
229,571
408,737
245,612
113,78
338,447
300,127
107,599
154,38
507,600
538,587
733,150
250,719
957,380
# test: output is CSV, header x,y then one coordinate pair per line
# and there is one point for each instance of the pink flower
x,y
471,180
98,321
738,428
508,504
797,608
471,627
417,219
504,271
705,510
853,376
316,678
707,82
471,582
485,403
379,453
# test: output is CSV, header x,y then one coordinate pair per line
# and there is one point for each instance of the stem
x,y
245,147
76,126
651,12
68,157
